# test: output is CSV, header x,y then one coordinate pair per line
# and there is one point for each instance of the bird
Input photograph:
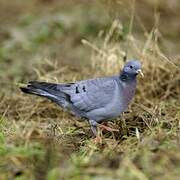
x,y
96,100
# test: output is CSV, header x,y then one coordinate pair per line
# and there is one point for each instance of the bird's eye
x,y
131,67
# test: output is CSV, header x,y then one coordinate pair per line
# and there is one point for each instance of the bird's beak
x,y
140,72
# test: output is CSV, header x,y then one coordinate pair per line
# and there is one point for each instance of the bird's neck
x,y
125,77
128,85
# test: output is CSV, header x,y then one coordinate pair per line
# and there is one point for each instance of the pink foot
x,y
107,128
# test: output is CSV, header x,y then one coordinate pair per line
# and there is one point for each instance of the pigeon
x,y
97,100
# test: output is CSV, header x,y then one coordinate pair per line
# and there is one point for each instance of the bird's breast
x,y
127,93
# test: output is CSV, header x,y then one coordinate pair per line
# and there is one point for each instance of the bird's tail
x,y
48,90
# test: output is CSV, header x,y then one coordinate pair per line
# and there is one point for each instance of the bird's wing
x,y
92,94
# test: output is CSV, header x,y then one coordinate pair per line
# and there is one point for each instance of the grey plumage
x,y
96,99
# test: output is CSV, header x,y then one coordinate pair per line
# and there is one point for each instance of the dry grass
x,y
38,140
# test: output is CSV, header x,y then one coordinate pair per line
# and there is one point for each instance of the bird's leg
x,y
107,128
94,129
93,125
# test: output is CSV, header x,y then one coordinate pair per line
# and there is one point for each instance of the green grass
x,y
43,41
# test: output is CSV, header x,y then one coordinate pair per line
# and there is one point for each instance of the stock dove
x,y
96,100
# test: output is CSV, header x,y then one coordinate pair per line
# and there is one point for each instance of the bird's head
x,y
132,69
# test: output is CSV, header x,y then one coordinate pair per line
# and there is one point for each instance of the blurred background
x,y
65,41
